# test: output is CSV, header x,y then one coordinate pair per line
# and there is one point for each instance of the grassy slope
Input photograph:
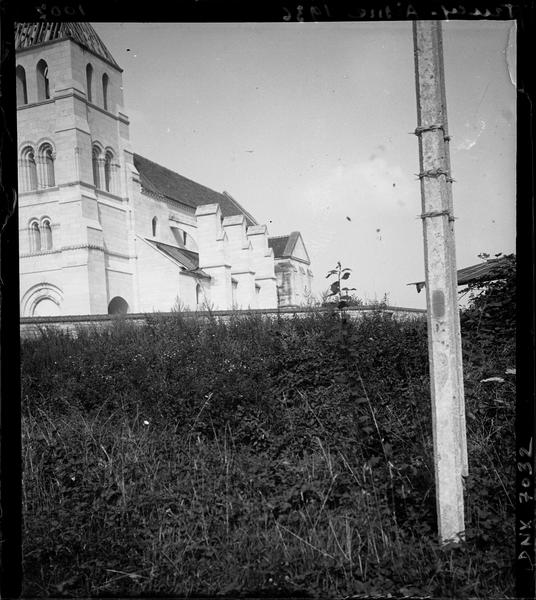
x,y
179,458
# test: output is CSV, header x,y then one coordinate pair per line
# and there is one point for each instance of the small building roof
x,y
481,272
187,259
34,34
165,182
278,245
289,246
283,245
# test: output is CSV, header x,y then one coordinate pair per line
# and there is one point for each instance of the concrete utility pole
x,y
444,341
452,247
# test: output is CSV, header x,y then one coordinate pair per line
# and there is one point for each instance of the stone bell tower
x,y
74,157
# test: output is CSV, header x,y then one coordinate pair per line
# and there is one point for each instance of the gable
x,y
289,246
299,250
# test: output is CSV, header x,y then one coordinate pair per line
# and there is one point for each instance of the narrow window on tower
x,y
89,82
95,159
47,159
43,83
28,170
108,172
22,92
105,80
35,237
154,225
46,235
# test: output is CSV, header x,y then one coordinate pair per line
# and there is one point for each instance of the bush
x,y
490,319
259,456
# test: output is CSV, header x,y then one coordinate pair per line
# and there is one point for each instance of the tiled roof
x,y
481,272
32,34
278,245
162,181
186,258
283,245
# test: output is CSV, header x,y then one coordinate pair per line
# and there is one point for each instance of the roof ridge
x,y
170,184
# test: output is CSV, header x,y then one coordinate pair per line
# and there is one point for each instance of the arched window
x,y
105,80
46,235
35,237
22,92
43,84
108,171
118,306
28,170
46,155
198,295
154,224
89,82
95,161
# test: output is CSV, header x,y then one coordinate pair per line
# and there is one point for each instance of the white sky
x,y
306,124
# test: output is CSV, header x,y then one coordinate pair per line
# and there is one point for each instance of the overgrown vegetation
x,y
260,457
491,314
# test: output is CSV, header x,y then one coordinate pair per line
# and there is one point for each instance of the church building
x,y
104,230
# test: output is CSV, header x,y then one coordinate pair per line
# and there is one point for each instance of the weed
x,y
260,456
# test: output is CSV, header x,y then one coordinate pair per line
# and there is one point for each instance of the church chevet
x,y
104,230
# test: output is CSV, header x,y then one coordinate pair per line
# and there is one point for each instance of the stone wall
x,y
32,326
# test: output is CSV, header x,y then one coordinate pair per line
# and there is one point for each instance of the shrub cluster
x,y
257,456
489,322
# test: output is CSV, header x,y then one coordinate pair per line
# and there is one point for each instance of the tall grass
x,y
182,458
